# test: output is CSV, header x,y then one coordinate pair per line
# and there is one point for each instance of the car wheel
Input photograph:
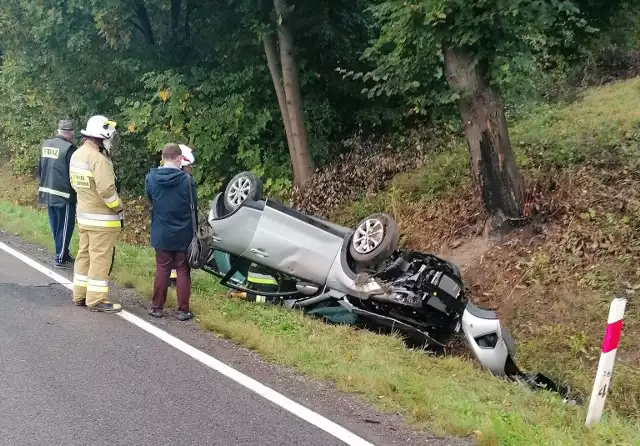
x,y
243,186
374,240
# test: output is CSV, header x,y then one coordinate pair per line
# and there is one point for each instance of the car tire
x,y
375,239
243,186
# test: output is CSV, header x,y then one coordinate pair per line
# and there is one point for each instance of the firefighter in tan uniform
x,y
99,213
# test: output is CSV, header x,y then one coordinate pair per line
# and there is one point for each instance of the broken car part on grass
x,y
357,277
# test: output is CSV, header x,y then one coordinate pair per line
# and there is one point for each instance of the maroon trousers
x,y
165,262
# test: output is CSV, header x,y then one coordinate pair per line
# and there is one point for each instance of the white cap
x,y
188,157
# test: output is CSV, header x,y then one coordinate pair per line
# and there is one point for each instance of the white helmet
x,y
188,158
99,127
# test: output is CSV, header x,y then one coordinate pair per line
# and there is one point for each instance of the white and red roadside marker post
x,y
607,359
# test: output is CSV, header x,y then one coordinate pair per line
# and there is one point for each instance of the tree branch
x,y
145,23
187,19
137,25
175,19
282,9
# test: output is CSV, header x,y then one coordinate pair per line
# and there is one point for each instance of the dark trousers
x,y
62,221
165,262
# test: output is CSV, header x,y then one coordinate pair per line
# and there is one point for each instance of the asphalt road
x,y
72,377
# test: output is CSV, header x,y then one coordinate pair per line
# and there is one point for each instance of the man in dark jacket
x,y
168,188
55,189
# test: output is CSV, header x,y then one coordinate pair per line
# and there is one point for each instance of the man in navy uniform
x,y
55,189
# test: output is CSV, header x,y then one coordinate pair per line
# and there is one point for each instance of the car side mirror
x,y
306,288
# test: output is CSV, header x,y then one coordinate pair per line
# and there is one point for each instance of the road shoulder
x,y
320,396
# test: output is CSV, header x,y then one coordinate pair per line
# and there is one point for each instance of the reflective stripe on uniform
x,y
113,201
54,192
100,217
98,286
79,164
79,174
99,220
99,223
262,279
80,280
80,170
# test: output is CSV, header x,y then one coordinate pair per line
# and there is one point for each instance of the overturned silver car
x,y
358,277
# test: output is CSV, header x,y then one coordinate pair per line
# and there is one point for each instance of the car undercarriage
x,y
421,291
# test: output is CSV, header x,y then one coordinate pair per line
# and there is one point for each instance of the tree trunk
x,y
493,164
145,24
187,21
176,6
293,96
274,68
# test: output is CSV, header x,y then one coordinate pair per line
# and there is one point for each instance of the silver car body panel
x,y
294,244
233,232
337,228
341,281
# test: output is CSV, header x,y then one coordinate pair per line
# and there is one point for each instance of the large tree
x,y
281,60
427,45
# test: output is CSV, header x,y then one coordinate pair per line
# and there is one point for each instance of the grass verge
x,y
449,395
602,128
552,286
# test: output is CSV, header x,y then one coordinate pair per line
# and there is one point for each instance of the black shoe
x,y
63,265
80,303
106,307
156,312
69,259
185,315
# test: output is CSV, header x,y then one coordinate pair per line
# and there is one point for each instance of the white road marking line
x,y
255,386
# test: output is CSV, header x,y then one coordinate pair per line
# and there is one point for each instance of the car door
x,y
233,232
294,244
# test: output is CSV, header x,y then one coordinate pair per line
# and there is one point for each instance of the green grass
x,y
559,322
449,395
601,127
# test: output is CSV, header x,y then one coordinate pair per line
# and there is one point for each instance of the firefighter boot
x,y
81,269
102,245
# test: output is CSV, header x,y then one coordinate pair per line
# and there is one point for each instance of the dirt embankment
x,y
551,280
